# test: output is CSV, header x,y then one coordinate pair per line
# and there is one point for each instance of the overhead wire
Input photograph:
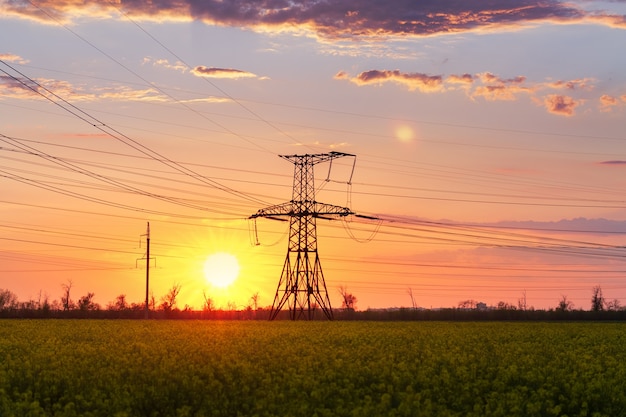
x,y
134,73
74,168
214,85
109,131
494,238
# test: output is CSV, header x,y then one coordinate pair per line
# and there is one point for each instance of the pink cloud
x,y
490,78
561,105
499,92
460,79
488,86
496,88
577,84
24,89
413,81
608,102
13,58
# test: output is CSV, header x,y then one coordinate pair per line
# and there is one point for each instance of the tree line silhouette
x,y
167,308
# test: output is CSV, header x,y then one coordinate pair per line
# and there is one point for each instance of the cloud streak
x,y
331,19
489,87
615,162
230,73
24,89
413,81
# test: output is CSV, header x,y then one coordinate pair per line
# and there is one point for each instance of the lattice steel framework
x,y
302,286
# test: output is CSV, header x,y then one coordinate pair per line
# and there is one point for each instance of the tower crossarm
x,y
302,209
314,159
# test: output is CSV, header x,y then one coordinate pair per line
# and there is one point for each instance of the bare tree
x,y
413,303
521,302
66,300
467,304
597,299
44,302
565,304
152,301
349,300
503,305
614,305
168,301
255,300
209,304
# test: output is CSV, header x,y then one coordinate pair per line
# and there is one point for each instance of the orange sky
x,y
489,141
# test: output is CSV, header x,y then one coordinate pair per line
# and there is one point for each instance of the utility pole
x,y
302,286
147,259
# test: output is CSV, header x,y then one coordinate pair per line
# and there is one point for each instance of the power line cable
x,y
82,115
214,85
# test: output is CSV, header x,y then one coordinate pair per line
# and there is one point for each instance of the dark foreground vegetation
x,y
401,314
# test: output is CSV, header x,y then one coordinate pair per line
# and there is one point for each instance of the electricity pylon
x,y
302,284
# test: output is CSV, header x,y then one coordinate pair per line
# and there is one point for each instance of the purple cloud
x,y
333,19
212,72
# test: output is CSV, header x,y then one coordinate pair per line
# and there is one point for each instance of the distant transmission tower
x,y
302,284
147,258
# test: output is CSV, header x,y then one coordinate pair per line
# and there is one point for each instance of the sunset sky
x,y
489,139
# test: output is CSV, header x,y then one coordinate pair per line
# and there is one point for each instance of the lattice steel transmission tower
x,y
302,284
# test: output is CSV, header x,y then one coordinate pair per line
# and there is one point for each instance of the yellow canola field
x,y
217,368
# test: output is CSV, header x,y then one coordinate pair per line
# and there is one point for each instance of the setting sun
x,y
221,269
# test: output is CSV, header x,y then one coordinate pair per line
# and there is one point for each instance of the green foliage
x,y
207,368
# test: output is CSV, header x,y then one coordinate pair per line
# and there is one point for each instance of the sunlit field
x,y
211,368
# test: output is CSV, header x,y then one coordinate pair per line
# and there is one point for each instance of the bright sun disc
x,y
221,269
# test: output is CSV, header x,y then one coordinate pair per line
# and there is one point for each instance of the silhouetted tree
x,y
597,299
467,304
66,300
349,300
521,302
565,304
151,302
255,300
614,305
8,300
168,301
209,304
410,292
120,303
86,303
503,305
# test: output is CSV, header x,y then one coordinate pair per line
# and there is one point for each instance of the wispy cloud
x,y
487,86
13,58
607,102
164,63
212,72
331,19
24,89
413,81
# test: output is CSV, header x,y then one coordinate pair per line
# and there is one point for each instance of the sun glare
x,y
405,133
221,269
